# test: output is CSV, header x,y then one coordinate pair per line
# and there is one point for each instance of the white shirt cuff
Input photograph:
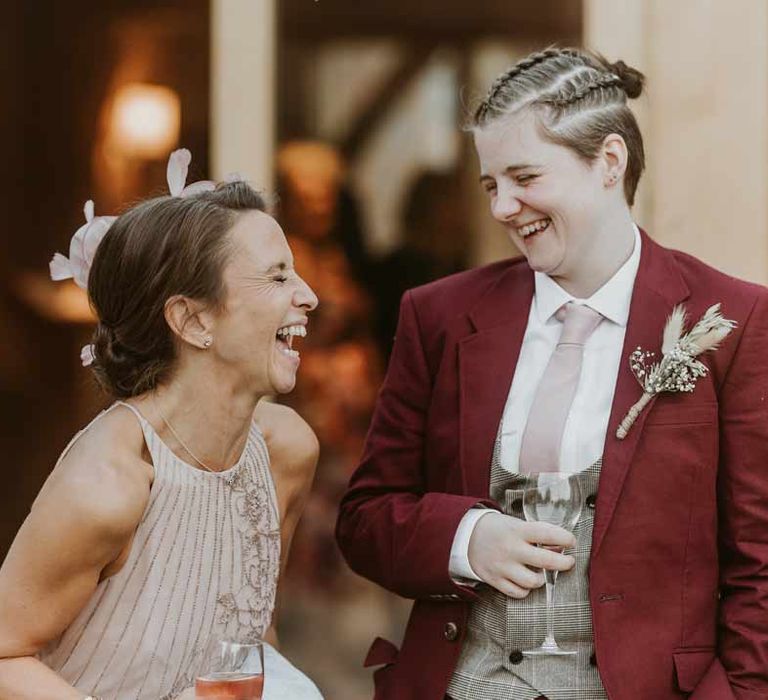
x,y
458,564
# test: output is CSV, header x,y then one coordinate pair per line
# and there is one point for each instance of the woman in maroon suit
x,y
676,566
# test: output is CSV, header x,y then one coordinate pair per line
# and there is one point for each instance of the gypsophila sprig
x,y
678,370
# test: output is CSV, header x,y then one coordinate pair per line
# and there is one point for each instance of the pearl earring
x,y
208,342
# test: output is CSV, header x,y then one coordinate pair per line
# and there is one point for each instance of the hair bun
x,y
113,363
103,338
632,80
108,351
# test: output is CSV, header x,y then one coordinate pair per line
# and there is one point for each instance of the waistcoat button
x,y
593,659
451,631
591,501
516,657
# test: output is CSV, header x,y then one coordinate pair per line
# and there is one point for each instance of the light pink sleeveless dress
x,y
204,561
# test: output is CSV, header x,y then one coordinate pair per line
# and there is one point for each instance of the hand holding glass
x,y
552,497
231,671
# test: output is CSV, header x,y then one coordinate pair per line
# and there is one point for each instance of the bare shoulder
x,y
104,477
77,533
292,444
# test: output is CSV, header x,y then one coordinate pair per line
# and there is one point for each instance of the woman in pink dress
x,y
166,521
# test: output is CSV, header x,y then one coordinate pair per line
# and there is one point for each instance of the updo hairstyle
x,y
159,248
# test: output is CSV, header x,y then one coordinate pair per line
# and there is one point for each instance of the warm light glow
x,y
63,302
146,120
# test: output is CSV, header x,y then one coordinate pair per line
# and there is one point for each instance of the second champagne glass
x,y
552,497
231,671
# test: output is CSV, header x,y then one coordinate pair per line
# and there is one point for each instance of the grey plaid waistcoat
x,y
491,666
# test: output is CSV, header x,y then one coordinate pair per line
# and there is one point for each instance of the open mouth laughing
x,y
285,336
534,227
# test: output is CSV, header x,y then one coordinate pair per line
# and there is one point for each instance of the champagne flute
x,y
231,671
552,497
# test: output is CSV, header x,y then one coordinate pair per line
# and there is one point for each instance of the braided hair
x,y
521,66
579,97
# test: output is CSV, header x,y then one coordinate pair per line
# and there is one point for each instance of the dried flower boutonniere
x,y
678,369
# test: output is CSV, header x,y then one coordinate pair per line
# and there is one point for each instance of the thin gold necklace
x,y
179,440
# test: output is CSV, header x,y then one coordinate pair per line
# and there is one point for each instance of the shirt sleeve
x,y
459,567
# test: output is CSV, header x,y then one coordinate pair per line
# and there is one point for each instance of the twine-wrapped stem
x,y
678,369
632,414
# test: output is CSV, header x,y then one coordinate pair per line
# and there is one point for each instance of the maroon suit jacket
x,y
679,566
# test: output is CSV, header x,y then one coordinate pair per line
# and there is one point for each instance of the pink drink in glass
x,y
229,686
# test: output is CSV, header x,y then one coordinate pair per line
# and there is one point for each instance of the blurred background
x,y
351,113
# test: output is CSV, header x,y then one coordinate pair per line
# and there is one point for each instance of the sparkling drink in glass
x,y
552,497
231,671
229,686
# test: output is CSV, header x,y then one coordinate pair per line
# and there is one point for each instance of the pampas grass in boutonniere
x,y
678,369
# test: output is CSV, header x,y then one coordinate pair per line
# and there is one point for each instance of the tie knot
x,y
579,322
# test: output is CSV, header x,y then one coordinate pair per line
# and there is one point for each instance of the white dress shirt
x,y
587,422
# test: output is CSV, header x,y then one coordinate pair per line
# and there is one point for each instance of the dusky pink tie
x,y
543,435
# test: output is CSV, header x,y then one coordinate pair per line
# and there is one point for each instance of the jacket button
x,y
593,659
451,631
516,657
591,501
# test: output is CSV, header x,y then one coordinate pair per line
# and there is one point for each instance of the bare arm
x,y
293,451
76,534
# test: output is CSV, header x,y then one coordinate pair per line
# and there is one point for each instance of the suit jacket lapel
x,y
658,288
487,361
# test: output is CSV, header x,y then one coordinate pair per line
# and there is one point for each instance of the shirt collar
x,y
612,300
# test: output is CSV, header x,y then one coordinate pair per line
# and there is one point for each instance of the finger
x,y
542,558
510,589
523,577
548,534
